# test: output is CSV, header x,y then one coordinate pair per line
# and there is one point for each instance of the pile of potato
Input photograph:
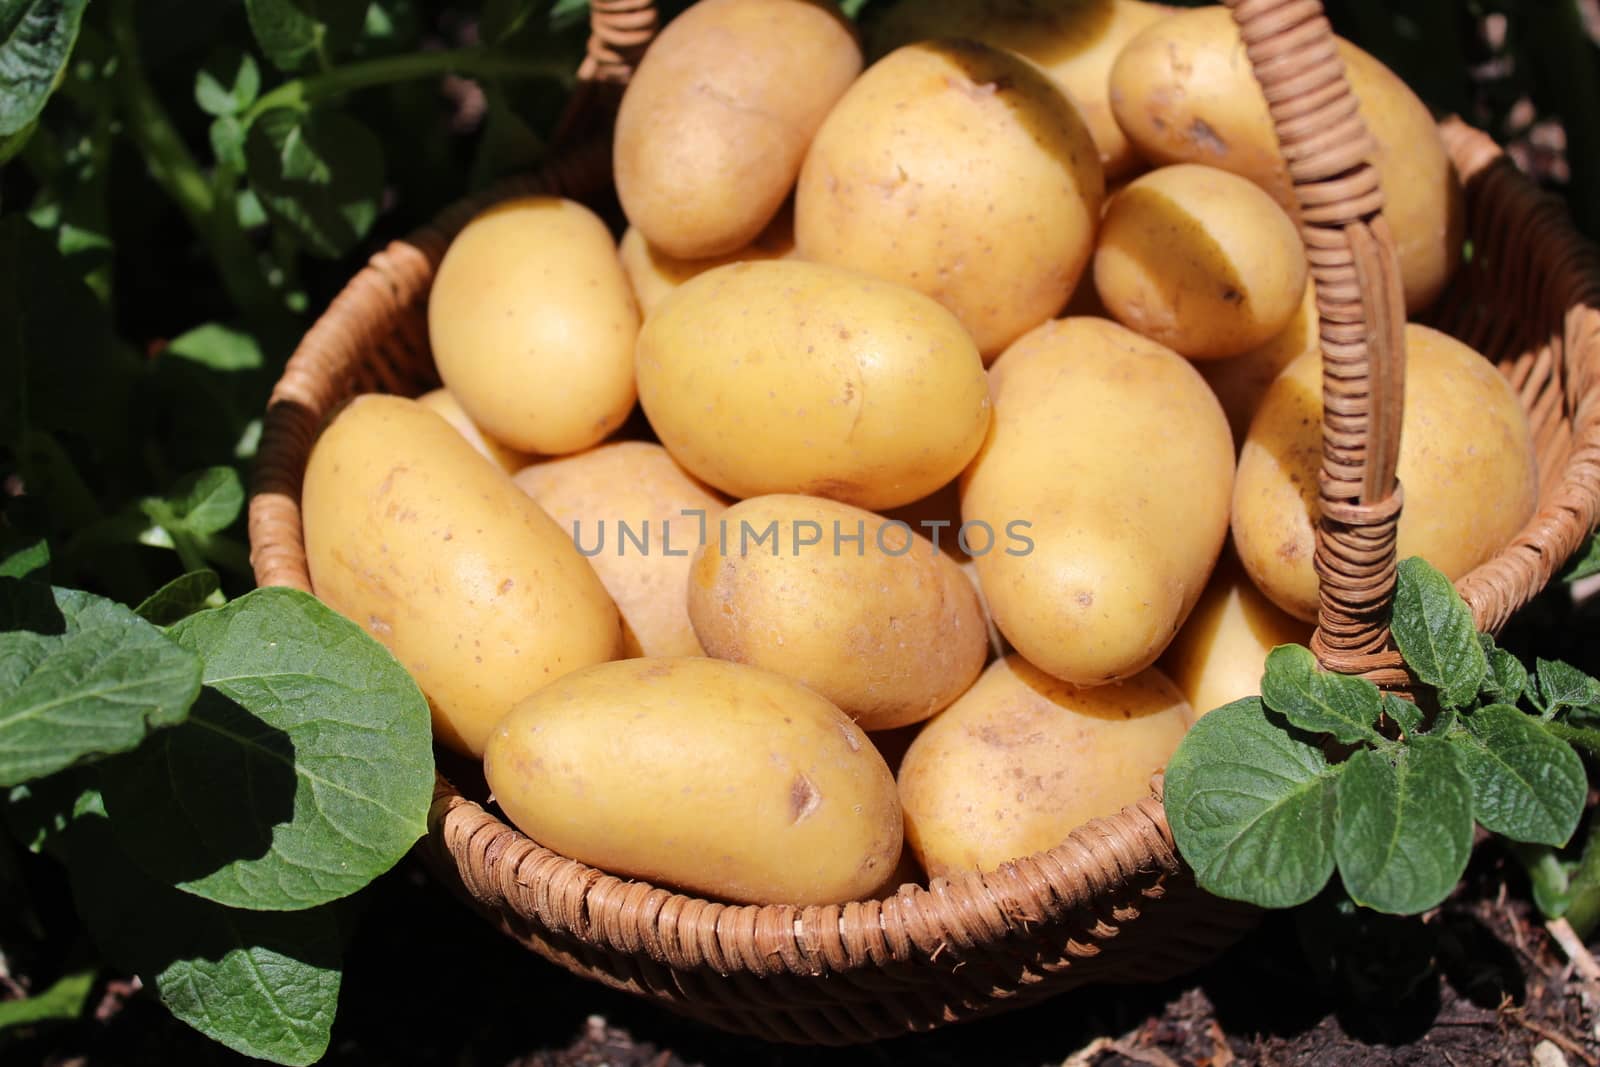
x,y
958,369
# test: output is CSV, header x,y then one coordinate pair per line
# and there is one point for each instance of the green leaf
x,y
293,33
36,37
30,561
227,142
1562,685
1317,701
1585,563
217,347
1434,631
1246,794
1526,785
304,772
319,175
180,598
1404,830
200,504
63,1000
228,83
1404,713
92,686
12,143
1505,680
264,984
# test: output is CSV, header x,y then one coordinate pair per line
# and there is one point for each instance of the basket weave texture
x,y
1114,902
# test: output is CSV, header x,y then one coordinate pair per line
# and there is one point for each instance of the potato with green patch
x,y
711,777
718,116
1023,759
1467,466
533,325
859,608
961,171
789,377
439,556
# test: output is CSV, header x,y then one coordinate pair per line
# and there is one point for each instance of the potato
x,y
716,119
1466,462
713,777
637,518
1183,92
1023,759
1108,468
1073,41
859,608
1221,652
533,325
1201,260
963,172
478,593
792,377
444,405
1242,381
653,274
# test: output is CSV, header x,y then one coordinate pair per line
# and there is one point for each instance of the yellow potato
x,y
1221,652
1242,381
443,404
1073,41
653,274
713,777
718,116
963,172
637,518
1111,458
1023,759
533,325
1183,92
793,377
1201,260
478,593
1467,466
859,608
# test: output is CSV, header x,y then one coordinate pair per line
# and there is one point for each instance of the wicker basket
x,y
1113,902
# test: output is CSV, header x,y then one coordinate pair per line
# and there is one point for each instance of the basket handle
x,y
619,32
1361,305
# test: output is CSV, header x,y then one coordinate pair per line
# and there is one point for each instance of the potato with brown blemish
x,y
1111,458
1023,759
637,517
961,171
1241,382
533,325
1467,467
859,608
439,556
1183,92
717,117
783,376
1073,41
653,274
1201,260
715,778
443,404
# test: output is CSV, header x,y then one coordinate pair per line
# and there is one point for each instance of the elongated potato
x,y
1023,759
1073,41
1183,92
637,518
859,608
1467,466
1111,458
960,171
533,326
1221,652
478,594
792,377
1242,381
443,404
717,118
713,777
653,274
1201,260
